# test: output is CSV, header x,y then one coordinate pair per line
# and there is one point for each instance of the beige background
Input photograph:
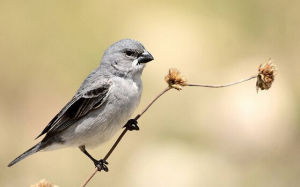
x,y
227,137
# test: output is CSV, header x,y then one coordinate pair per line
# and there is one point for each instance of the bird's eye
x,y
129,53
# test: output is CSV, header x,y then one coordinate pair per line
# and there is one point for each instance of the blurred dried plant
x,y
43,183
175,80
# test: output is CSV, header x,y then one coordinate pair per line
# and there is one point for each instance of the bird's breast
x,y
126,95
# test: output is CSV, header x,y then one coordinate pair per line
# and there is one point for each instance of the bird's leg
x,y
132,125
100,164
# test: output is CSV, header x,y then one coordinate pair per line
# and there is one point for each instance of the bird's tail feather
x,y
30,151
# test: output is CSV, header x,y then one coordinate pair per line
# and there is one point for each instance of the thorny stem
x,y
149,105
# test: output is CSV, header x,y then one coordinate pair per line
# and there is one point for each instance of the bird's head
x,y
126,57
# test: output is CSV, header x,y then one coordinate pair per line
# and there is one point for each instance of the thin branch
x,y
153,101
90,177
148,106
223,85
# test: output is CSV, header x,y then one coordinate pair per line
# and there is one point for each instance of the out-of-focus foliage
x,y
195,137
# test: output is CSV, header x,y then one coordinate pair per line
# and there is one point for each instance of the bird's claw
x,y
101,165
132,125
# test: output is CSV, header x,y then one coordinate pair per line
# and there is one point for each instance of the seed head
x,y
175,80
266,75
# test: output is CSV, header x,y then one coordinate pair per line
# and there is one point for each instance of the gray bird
x,y
101,106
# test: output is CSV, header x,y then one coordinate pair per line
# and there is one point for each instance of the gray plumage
x,y
103,103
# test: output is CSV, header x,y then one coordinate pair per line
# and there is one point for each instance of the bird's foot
x,y
132,125
101,165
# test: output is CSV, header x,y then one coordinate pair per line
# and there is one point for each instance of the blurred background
x,y
228,137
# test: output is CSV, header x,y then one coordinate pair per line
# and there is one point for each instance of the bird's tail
x,y
30,151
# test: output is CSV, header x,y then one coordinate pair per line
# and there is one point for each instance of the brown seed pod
x,y
266,75
175,80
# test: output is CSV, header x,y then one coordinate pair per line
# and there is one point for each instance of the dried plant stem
x,y
90,177
149,105
124,132
223,85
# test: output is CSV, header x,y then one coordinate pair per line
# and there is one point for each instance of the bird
x,y
101,106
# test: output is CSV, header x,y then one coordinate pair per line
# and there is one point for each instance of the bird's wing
x,y
79,106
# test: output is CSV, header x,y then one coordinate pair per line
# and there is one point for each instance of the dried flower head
x,y
266,75
175,80
43,183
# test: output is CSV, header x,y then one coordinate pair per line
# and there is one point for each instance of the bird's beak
x,y
145,57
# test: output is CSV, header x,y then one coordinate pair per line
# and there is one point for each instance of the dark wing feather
x,y
78,107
